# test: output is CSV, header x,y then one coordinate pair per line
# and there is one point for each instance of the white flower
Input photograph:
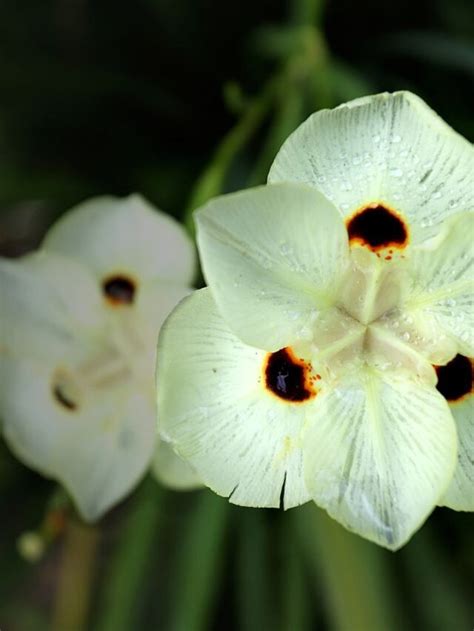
x,y
308,368
79,323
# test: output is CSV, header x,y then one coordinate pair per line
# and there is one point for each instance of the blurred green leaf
x,y
297,603
435,585
201,558
122,594
257,609
354,575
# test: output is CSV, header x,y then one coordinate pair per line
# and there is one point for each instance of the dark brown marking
x,y
61,398
288,377
456,379
119,290
377,227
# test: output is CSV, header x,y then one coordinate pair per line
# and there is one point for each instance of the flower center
x,y
371,286
456,379
366,325
119,290
103,368
377,227
289,377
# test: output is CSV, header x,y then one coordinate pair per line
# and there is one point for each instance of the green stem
x,y
306,72
354,574
211,182
307,12
119,608
288,116
76,577
199,563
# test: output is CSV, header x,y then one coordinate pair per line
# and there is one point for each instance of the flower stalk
x,y
76,577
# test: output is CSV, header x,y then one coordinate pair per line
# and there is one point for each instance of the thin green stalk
x,y
211,182
289,114
199,564
306,71
120,603
71,607
307,12
354,574
254,585
320,80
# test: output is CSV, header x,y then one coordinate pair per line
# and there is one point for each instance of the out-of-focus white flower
x,y
79,322
308,368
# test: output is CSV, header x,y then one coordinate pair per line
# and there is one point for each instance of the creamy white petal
x,y
213,407
155,302
172,471
273,257
125,236
47,303
134,332
460,493
96,442
379,453
387,148
442,288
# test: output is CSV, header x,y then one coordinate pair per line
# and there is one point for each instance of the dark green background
x,y
113,97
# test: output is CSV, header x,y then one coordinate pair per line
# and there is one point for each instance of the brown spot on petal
x,y
63,399
119,290
456,379
64,390
377,227
288,377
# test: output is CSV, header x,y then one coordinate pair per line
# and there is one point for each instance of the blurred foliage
x,y
112,97
181,101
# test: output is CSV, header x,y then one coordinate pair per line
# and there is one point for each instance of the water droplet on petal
x,y
284,249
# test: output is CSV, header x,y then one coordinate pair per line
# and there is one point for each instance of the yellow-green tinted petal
x,y
47,302
96,443
172,471
242,440
460,493
388,148
379,454
124,236
442,288
273,257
